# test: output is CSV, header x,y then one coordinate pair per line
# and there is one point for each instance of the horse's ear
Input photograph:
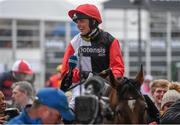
x,y
111,78
140,75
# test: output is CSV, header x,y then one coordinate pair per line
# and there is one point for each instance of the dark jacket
x,y
152,112
172,115
6,81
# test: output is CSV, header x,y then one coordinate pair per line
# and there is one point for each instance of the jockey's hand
x,y
66,83
85,74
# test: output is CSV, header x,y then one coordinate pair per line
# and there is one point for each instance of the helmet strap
x,y
93,24
91,35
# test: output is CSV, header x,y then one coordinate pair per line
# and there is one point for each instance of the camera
x,y
11,112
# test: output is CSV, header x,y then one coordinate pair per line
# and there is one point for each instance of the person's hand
x,y
3,119
153,123
66,83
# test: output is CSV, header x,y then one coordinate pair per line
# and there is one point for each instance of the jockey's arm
x,y
116,59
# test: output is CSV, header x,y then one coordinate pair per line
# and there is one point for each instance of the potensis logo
x,y
92,51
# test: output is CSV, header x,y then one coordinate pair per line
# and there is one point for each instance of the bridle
x,y
128,85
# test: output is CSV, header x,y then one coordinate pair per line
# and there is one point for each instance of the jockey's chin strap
x,y
91,35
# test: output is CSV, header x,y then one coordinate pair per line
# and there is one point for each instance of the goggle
x,y
78,16
23,76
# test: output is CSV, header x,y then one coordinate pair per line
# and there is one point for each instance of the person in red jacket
x,y
55,80
99,50
105,49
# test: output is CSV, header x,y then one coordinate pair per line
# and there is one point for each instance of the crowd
x,y
51,105
20,105
165,96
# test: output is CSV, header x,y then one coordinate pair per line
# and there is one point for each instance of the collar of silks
x,y
91,35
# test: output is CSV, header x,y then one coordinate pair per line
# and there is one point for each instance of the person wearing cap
x,y
145,88
55,80
171,96
100,50
21,71
168,99
106,48
49,107
172,115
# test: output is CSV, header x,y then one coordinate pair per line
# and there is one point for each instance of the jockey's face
x,y
83,26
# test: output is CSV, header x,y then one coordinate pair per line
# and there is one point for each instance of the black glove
x,y
66,83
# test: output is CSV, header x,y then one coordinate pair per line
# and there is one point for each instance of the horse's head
x,y
126,99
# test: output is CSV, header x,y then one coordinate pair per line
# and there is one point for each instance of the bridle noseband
x,y
129,85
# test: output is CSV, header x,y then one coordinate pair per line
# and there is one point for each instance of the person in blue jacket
x,y
50,107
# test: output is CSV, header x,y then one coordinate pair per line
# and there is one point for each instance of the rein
x,y
74,86
91,74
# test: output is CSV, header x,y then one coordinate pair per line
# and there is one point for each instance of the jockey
x,y
21,71
99,50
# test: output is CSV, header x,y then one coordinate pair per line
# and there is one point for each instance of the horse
x,y
126,101
112,100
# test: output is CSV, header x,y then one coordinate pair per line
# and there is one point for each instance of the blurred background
x,y
39,30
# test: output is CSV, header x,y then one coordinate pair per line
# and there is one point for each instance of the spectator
x,y
3,118
175,85
22,94
145,88
158,89
55,80
50,107
171,96
168,99
172,115
6,113
21,71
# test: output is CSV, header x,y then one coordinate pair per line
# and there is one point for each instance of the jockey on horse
x,y
96,49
